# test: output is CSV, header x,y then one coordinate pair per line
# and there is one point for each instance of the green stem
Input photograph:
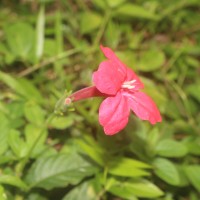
x,y
25,160
40,31
102,29
48,61
185,102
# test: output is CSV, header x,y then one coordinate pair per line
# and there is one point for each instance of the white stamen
x,y
129,84
133,81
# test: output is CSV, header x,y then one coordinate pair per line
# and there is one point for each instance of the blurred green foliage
x,y
47,47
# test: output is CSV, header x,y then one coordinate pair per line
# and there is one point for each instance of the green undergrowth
x,y
51,47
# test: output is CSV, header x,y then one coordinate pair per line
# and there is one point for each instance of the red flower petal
x,y
111,56
114,113
107,78
130,75
144,107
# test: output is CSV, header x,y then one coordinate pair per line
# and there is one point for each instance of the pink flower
x,y
121,87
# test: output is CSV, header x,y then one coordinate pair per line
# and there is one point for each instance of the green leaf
x,y
4,129
5,55
58,171
167,171
99,3
34,113
89,21
2,193
182,175
151,60
193,174
84,191
17,144
61,122
49,47
135,11
36,196
32,133
116,3
171,148
22,86
13,180
131,189
20,38
7,158
112,34
194,90
16,114
193,145
96,154
128,167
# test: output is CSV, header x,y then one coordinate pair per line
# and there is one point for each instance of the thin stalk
x,y
102,29
48,61
40,31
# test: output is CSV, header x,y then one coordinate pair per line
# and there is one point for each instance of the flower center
x,y
129,84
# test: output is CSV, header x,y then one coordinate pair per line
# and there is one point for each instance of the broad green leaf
x,y
20,38
22,86
61,122
17,144
32,133
194,91
16,114
13,180
191,61
151,60
193,174
34,113
7,158
89,21
49,47
131,189
182,175
95,154
128,167
171,148
167,171
4,129
115,3
135,11
84,191
29,90
58,171
5,55
193,145
93,149
99,3
36,196
2,193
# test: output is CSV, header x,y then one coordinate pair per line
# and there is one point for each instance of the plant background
x,y
47,47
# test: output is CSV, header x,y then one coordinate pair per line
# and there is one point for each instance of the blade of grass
x,y
40,32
